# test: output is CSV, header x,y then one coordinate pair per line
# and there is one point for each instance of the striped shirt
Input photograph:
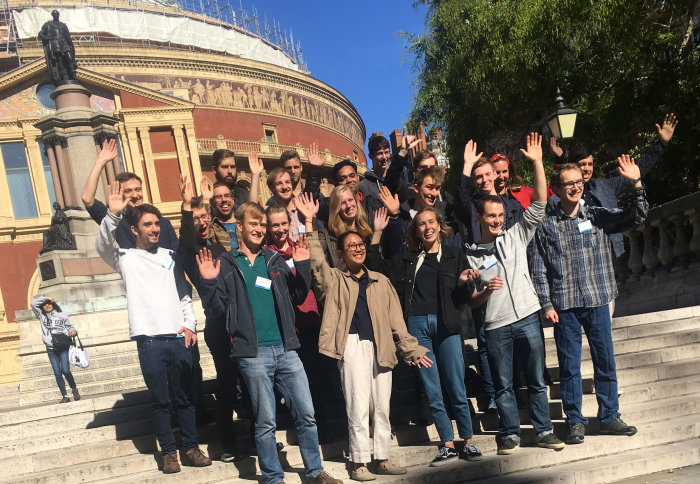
x,y
573,266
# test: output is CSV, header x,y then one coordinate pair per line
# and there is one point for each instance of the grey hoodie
x,y
517,298
55,322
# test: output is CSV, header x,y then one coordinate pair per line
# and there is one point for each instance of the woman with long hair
x,y
433,280
345,213
55,322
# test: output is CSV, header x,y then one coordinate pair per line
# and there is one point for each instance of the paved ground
x,y
684,475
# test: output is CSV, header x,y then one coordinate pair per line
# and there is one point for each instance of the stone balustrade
x,y
664,259
669,237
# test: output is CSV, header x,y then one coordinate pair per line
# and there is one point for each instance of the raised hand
x,y
208,267
551,316
116,201
470,155
381,219
314,156
534,147
391,202
306,204
627,167
468,275
554,147
666,130
255,163
424,362
300,251
495,283
185,189
207,189
190,336
107,153
408,141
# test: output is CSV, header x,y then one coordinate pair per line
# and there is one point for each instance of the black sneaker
x,y
470,452
617,427
446,454
228,456
576,433
550,441
508,446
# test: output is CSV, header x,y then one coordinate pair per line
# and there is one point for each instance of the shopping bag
x,y
77,355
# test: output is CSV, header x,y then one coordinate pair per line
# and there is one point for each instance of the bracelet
x,y
394,216
634,182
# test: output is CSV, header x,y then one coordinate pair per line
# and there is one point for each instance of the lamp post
x,y
563,120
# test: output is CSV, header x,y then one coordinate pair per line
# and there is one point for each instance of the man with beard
x,y
223,223
223,164
132,191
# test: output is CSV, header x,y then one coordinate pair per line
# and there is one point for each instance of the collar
x,y
370,277
237,254
582,213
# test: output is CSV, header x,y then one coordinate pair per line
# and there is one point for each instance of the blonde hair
x,y
412,239
337,225
251,210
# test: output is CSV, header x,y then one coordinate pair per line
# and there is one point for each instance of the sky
x,y
353,47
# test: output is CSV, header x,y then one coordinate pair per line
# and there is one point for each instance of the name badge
x,y
585,226
301,229
263,283
489,262
167,262
290,263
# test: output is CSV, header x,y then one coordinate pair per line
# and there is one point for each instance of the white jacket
x,y
156,290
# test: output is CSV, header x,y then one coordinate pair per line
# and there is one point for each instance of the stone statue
x,y
58,236
58,50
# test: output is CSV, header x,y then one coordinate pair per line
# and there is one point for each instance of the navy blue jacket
x,y
604,192
227,296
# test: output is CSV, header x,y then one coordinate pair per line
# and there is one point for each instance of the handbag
x,y
61,342
77,355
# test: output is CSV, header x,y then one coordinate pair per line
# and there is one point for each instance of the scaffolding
x,y
221,13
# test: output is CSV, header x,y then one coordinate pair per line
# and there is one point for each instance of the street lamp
x,y
562,121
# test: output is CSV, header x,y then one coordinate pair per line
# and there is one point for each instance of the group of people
x,y
380,267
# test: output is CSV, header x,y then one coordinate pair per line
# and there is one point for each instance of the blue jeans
x,y
448,366
61,368
478,318
521,339
166,362
567,334
276,368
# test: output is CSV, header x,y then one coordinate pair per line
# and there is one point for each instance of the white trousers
x,y
367,390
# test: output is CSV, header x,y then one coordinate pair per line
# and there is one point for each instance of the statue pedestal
x,y
70,275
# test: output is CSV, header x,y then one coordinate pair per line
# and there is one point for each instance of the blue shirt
x,y
231,229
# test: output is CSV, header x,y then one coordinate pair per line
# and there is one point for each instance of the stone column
x,y
194,155
55,177
67,184
178,134
144,134
136,163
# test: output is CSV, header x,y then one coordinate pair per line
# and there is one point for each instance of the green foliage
x,y
489,71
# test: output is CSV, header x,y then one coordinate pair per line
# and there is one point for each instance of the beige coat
x,y
341,290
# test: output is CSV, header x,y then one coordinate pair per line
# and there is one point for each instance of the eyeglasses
x,y
572,184
201,218
360,246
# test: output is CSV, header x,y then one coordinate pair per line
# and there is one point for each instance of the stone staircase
x,y
107,436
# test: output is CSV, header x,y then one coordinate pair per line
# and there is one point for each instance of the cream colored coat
x,y
341,290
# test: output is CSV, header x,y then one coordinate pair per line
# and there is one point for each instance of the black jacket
x,y
401,270
227,295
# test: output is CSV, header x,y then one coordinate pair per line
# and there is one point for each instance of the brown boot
x,y
170,463
195,457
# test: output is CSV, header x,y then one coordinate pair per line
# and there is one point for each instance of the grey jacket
x,y
55,322
517,298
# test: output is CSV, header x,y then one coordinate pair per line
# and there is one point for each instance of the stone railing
x,y
664,260
264,149
669,237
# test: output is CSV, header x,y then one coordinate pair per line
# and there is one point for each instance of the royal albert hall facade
x,y
178,85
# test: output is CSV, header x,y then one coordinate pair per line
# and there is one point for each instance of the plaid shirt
x,y
573,269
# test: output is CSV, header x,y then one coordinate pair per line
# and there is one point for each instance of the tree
x,y
489,70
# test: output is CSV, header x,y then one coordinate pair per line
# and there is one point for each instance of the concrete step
x,y
658,436
636,345
671,363
614,467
